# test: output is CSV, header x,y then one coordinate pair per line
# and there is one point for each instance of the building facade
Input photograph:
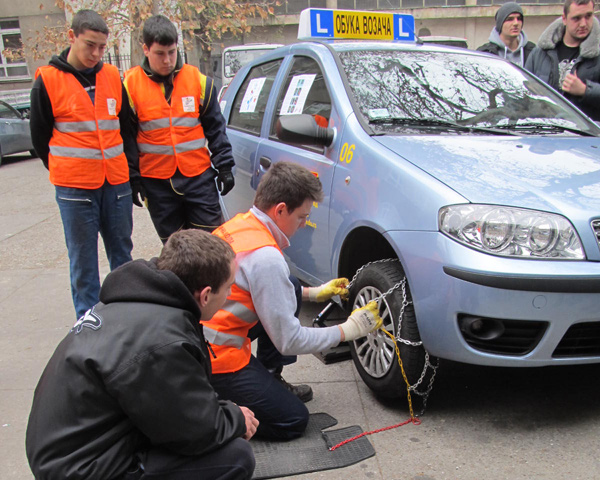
x,y
469,19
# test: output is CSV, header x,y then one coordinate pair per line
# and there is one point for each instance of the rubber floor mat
x,y
310,453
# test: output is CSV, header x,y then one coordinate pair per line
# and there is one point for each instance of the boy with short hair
x,y
177,114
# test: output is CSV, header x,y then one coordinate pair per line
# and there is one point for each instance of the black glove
x,y
225,182
138,194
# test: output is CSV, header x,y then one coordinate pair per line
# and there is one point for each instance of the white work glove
x,y
361,321
337,286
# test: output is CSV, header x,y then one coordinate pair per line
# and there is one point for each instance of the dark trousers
x,y
233,461
281,414
183,202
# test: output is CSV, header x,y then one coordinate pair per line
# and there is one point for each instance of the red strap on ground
x,y
413,420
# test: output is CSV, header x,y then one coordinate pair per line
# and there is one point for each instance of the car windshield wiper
x,y
544,127
436,122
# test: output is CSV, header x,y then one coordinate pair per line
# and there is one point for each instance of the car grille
x,y
581,340
596,228
519,338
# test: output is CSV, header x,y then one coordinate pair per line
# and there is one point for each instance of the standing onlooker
x,y
567,56
177,112
507,38
81,129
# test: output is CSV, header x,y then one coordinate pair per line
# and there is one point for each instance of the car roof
x,y
343,45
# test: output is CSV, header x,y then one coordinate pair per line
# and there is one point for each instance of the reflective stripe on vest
x,y
86,148
170,136
228,330
224,339
168,149
166,123
86,153
90,126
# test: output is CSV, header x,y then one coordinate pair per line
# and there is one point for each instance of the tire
x,y
374,356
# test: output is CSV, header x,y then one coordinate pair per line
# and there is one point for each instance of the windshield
x,y
399,90
236,59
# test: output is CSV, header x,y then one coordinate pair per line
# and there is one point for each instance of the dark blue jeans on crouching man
x,y
281,414
85,213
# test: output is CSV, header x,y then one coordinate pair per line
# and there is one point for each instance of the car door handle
x,y
265,162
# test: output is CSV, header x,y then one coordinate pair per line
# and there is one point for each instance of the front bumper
x,y
449,281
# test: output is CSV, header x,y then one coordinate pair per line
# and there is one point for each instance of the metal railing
x,y
122,62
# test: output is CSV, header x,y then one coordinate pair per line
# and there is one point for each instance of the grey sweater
x,y
265,274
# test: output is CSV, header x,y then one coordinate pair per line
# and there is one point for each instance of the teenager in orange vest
x,y
265,302
178,117
81,130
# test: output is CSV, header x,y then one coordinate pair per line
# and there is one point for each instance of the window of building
x,y
13,65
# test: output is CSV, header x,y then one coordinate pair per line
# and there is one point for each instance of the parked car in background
x,y
444,40
15,136
464,191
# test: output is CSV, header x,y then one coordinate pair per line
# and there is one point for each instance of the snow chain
x,y
428,365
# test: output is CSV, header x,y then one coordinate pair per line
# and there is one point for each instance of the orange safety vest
x,y
170,136
86,147
228,330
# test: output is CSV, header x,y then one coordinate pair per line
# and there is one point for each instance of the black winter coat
x,y
132,373
543,62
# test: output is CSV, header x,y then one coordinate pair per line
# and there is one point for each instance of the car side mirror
x,y
303,130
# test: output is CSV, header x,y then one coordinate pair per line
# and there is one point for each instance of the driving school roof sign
x,y
355,24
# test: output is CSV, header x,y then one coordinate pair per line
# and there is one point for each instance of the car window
x,y
397,91
7,112
304,91
249,105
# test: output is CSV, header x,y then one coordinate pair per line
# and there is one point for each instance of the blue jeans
x,y
85,213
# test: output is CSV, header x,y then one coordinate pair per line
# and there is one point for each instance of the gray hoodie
x,y
497,47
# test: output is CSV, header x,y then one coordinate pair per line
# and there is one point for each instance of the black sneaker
x,y
303,392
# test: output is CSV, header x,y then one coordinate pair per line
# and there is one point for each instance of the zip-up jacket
x,y
497,47
543,62
132,373
80,125
176,116
228,330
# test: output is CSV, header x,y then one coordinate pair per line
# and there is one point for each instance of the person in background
x,y
80,124
507,38
567,56
178,120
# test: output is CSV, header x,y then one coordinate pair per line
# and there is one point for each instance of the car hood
x,y
547,173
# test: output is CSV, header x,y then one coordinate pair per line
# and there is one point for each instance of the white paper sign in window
x,y
251,96
295,97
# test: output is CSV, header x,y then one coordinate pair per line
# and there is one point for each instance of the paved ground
x,y
482,423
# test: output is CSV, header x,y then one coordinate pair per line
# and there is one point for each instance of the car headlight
x,y
512,232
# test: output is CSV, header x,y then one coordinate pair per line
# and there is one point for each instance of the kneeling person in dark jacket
x,y
126,394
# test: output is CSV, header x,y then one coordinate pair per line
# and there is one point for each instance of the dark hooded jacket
x,y
543,62
132,373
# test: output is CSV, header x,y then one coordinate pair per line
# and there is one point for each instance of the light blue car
x,y
476,182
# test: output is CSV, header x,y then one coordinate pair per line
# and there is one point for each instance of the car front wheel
x,y
375,355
